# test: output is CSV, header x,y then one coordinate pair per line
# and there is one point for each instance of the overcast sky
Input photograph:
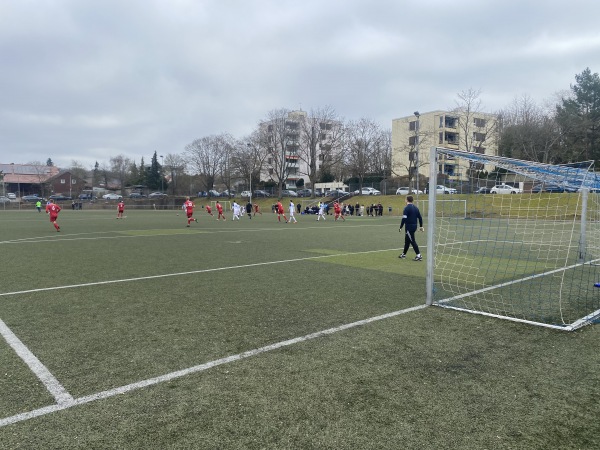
x,y
86,80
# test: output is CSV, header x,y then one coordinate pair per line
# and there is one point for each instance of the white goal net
x,y
529,252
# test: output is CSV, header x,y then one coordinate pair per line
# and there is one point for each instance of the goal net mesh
x,y
518,253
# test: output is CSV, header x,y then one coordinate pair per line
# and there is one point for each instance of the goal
x,y
527,247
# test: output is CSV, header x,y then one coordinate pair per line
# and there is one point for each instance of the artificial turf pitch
x,y
110,303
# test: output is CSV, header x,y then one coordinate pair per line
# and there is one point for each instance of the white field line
x,y
195,369
67,237
193,272
36,366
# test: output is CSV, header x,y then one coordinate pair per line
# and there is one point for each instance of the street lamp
x,y
417,115
162,189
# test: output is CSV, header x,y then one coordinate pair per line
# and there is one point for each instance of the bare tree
x,y
363,138
205,156
247,159
528,131
474,133
279,133
224,145
320,145
175,165
120,166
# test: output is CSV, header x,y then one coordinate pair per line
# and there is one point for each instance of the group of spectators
x,y
350,210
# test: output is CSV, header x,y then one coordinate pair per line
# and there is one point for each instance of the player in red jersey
x,y
52,209
220,211
189,210
280,212
337,210
120,209
257,209
209,210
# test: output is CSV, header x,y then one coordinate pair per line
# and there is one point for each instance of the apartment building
x,y
289,140
414,135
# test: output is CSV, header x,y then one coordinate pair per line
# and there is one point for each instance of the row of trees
x,y
330,148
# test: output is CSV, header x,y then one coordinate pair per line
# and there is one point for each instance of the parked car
x,y
337,193
4,199
246,194
11,196
539,188
483,190
505,189
213,193
261,193
406,190
441,189
227,193
31,198
59,198
304,192
157,195
112,197
367,191
136,195
288,193
86,197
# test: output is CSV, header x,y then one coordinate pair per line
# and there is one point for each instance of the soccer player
x,y
280,212
53,210
410,216
337,212
321,212
220,211
120,209
257,209
209,210
189,211
38,205
292,211
236,210
249,209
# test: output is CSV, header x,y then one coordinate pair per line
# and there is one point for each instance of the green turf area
x,y
107,303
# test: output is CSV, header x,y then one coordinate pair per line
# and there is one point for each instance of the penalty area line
x,y
40,370
195,369
192,272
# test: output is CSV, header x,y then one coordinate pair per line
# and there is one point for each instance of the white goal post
x,y
531,257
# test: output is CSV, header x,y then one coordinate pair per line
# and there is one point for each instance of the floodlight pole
x,y
417,115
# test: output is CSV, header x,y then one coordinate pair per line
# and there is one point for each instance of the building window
x,y
449,170
452,138
63,181
441,141
73,181
270,171
451,122
479,137
412,140
480,150
412,126
270,161
412,156
479,123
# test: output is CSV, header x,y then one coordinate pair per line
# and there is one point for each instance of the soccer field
x,y
143,333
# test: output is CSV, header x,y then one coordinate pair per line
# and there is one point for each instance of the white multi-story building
x,y
289,142
413,136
